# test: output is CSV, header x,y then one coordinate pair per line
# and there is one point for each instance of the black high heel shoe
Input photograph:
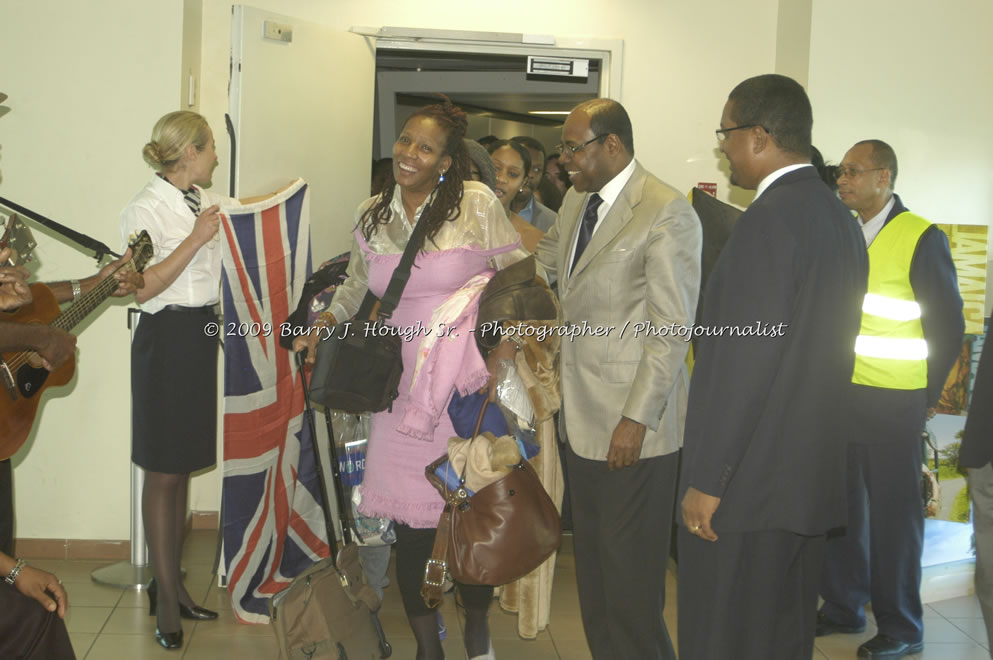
x,y
172,640
195,613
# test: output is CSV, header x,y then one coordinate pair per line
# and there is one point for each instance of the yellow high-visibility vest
x,y
890,350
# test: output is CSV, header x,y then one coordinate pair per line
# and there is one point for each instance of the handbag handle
x,y
398,282
475,434
437,564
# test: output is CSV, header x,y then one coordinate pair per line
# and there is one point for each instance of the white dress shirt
x,y
770,178
872,228
159,208
609,194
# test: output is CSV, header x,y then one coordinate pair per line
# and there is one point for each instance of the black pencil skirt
x,y
174,391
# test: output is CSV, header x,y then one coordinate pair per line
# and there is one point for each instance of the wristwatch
x,y
14,572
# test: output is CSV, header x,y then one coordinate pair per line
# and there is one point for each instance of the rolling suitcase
x,y
329,612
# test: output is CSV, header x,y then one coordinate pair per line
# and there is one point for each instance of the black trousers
x,y
27,630
413,548
6,508
621,525
750,596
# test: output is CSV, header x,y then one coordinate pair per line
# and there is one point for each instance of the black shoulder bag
x,y
358,367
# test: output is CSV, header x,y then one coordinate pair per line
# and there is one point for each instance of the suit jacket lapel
x,y
617,218
567,236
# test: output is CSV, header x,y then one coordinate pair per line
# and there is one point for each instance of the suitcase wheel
x,y
385,649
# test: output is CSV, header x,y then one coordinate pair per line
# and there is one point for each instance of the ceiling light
x,y
549,112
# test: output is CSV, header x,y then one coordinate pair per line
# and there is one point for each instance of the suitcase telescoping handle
x,y
346,533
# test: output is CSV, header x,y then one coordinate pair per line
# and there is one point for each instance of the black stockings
x,y
163,506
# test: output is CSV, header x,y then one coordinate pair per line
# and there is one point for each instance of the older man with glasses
x,y
626,249
911,333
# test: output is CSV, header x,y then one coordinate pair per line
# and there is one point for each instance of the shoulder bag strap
x,y
399,279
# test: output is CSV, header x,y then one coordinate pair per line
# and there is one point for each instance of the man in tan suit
x,y
626,251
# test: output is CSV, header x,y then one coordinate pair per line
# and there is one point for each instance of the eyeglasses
x,y
852,172
563,148
722,133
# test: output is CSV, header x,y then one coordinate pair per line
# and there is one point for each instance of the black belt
x,y
206,309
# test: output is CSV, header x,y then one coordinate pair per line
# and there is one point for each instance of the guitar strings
x,y
77,312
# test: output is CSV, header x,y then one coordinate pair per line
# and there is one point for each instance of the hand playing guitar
x,y
14,290
128,279
55,346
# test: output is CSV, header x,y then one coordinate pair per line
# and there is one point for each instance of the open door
x,y
301,100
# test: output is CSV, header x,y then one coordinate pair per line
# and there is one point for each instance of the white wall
x,y
91,80
915,75
86,82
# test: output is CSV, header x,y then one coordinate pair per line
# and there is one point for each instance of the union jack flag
x,y
273,525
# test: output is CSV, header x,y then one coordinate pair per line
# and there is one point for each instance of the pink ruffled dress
x,y
405,440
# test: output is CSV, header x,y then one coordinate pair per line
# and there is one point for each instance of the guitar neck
x,y
88,302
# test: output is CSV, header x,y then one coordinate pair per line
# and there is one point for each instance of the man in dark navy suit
x,y
763,469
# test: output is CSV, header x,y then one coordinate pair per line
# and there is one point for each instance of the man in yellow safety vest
x,y
911,333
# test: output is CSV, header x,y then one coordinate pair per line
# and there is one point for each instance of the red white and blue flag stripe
x,y
273,525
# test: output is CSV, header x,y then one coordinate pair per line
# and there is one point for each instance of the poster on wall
x,y
948,532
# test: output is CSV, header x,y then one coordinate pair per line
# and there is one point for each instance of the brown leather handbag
x,y
498,535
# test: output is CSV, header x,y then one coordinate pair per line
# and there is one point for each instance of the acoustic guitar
x,y
21,374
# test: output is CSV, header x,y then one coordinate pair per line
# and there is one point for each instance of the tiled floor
x,y
108,624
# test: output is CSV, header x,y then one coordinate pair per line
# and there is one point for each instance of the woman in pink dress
x,y
468,238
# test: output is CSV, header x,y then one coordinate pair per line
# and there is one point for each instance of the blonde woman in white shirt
x,y
173,361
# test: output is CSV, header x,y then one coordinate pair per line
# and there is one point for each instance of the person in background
x,y
828,173
524,203
480,164
511,163
486,140
976,455
548,194
467,235
555,173
912,327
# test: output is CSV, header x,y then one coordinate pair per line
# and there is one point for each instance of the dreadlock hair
x,y
446,200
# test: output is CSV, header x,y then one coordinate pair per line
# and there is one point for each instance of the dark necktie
x,y
586,227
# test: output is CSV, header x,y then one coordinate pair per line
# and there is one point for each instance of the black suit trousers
x,y
622,523
750,596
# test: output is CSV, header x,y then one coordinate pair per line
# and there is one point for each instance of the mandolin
x,y
21,374
20,241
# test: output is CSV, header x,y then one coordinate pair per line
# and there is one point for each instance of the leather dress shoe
x,y
826,626
196,613
882,646
170,640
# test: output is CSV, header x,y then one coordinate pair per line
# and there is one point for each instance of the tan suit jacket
x,y
641,267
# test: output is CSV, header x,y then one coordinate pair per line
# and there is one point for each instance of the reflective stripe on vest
x,y
890,351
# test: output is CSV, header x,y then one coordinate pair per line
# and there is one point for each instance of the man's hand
x,y
14,290
698,509
931,412
625,444
55,346
43,586
128,280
